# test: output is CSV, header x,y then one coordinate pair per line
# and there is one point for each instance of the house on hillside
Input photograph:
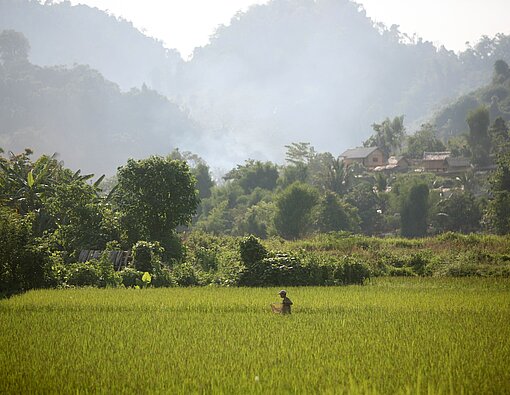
x,y
370,157
458,165
395,164
435,161
442,162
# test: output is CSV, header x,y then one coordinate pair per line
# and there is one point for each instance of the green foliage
x,y
500,137
83,274
163,278
497,216
294,209
458,212
146,279
478,121
131,277
424,140
354,272
94,273
388,135
293,173
495,97
368,205
252,254
257,220
187,275
254,174
204,180
147,256
414,210
334,215
154,196
24,262
251,250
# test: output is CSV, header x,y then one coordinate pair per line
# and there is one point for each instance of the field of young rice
x,y
391,336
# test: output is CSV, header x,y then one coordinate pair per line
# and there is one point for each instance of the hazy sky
x,y
185,24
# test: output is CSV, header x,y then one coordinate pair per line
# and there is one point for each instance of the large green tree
x,y
459,212
369,206
414,211
154,196
499,136
335,215
423,140
388,135
497,216
294,207
254,174
478,121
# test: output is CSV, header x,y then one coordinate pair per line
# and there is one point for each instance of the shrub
x,y
163,278
283,269
354,272
186,275
207,258
175,251
419,262
253,254
147,256
24,260
83,274
252,251
131,277
108,277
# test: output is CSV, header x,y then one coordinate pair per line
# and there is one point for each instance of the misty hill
x,y
60,33
87,119
320,71
451,120
290,70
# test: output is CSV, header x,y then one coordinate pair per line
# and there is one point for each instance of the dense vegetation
x,y
403,336
184,230
254,79
111,45
76,112
451,120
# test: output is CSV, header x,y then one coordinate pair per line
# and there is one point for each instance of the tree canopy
x,y
154,196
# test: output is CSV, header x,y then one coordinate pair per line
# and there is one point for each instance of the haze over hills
x,y
62,34
291,70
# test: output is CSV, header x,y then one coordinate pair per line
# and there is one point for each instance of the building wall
x,y
375,159
435,165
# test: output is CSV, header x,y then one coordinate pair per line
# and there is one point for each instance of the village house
x,y
458,165
370,157
435,161
443,162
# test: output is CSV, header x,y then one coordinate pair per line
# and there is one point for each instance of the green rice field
x,y
409,336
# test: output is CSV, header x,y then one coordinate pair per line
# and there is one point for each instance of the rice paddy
x,y
391,336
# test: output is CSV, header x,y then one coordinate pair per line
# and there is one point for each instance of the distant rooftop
x,y
458,162
442,155
358,153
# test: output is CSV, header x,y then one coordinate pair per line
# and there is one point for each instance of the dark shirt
x,y
286,303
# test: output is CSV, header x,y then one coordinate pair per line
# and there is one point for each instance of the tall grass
x,y
391,336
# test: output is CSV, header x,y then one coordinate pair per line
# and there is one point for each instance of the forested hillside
x,y
77,113
293,69
60,33
451,120
318,71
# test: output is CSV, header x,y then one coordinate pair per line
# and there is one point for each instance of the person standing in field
x,y
286,302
